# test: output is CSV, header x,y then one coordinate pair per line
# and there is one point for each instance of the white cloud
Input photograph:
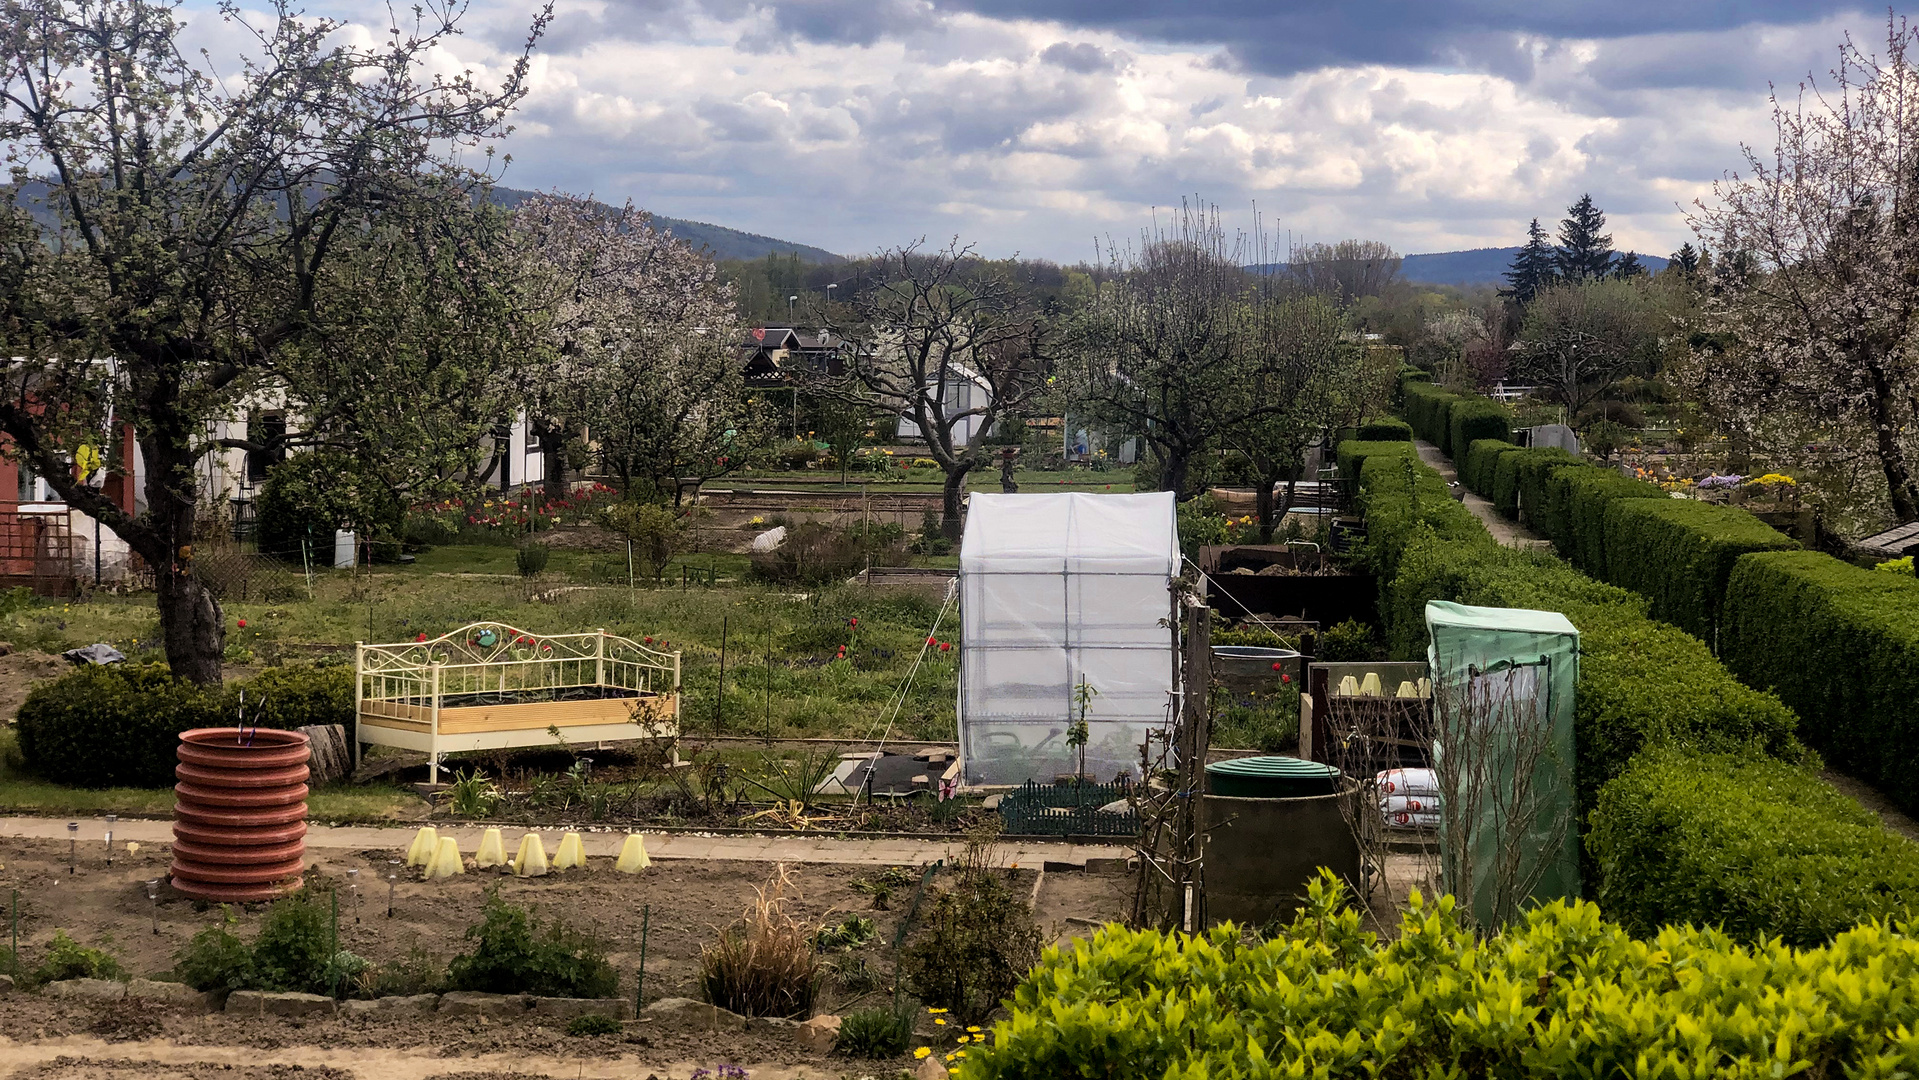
x,y
1038,137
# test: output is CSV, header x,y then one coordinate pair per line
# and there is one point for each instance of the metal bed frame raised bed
x,y
489,686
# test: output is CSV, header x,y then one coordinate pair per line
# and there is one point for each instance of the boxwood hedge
x,y
1841,645
118,725
1679,553
1573,512
1391,429
1473,418
1519,480
1757,847
1480,470
1641,682
1429,410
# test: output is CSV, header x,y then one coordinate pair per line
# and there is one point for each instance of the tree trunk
x,y
1263,507
191,623
1173,469
1900,484
954,488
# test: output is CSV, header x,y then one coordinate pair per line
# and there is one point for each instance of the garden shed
x,y
1059,591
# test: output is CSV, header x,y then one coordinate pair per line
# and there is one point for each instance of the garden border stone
x,y
267,1003
86,989
563,1008
470,1003
396,1005
169,993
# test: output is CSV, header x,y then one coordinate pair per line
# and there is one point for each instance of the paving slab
x,y
864,851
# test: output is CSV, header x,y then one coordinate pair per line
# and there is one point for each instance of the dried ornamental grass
x,y
764,965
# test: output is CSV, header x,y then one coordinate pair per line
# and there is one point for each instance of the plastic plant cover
x,y
1056,590
1510,672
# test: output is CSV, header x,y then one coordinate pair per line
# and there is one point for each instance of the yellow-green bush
x,y
1565,994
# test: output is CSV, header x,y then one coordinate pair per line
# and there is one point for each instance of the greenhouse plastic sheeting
x,y
1056,589
1518,667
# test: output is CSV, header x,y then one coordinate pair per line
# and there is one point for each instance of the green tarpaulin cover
x,y
1503,695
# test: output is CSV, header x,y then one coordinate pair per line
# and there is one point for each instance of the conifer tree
x,y
1628,266
1686,259
1533,267
1584,251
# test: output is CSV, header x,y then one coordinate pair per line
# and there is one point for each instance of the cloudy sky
x,y
1040,127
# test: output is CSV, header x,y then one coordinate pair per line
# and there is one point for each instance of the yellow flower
x,y
922,1052
974,1029
940,1020
935,1012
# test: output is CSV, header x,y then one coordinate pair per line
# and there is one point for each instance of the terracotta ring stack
x,y
239,813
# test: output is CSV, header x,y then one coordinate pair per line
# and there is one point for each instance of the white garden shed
x,y
1056,590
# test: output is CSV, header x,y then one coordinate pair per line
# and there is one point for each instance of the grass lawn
x,y
21,793
782,673
1118,481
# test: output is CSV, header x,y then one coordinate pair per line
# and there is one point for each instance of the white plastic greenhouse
x,y
1056,590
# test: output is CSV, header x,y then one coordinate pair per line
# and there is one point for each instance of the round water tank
x,y
1271,776
1261,854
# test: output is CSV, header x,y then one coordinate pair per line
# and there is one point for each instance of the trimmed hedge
x,y
1679,553
1475,418
1573,514
1480,470
1388,430
1429,410
1519,480
1350,455
1840,644
1563,993
117,726
1756,847
1641,682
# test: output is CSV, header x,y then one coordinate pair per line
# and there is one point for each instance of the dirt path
x,y
90,1058
1508,533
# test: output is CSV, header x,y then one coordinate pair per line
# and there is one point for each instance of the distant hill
x,y
719,241
1480,266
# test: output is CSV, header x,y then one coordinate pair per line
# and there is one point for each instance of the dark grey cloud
x,y
1283,37
1083,57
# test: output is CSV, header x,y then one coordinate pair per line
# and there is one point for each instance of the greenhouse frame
x,y
1059,591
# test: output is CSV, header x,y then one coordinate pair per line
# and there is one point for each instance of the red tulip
x,y
649,641
1285,678
1276,667
422,637
853,622
946,646
932,641
243,624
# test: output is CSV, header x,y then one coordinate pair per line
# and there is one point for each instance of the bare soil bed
x,y
688,902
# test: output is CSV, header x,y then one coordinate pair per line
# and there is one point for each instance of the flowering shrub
x,y
528,510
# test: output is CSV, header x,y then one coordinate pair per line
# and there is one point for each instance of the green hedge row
x,y
1429,410
1573,511
1679,553
1641,682
1563,994
1480,471
1758,847
1840,644
1473,418
1390,429
1519,480
117,726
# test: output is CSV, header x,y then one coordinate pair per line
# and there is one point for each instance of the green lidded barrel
x,y
1271,777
